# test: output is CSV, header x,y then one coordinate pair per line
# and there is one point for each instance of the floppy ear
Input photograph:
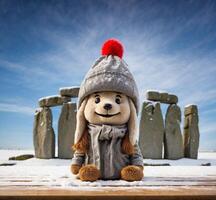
x,y
81,122
132,123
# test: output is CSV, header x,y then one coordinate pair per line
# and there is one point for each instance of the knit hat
x,y
110,73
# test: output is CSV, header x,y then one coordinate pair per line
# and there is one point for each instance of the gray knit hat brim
x,y
109,73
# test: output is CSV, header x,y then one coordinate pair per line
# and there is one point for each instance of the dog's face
x,y
107,108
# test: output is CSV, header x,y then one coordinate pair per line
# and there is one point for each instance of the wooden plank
x,y
46,187
194,192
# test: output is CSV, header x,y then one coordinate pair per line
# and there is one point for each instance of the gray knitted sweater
x,y
105,151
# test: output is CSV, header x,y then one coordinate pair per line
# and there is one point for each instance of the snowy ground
x,y
56,172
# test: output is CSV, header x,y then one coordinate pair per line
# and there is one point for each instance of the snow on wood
x,y
56,173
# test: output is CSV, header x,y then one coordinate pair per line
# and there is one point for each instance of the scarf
x,y
104,132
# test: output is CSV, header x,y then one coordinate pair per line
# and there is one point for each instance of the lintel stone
x,y
51,101
69,91
162,97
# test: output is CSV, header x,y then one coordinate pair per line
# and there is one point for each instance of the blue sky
x,y
45,45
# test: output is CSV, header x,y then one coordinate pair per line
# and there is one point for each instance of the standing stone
x,y
66,130
151,131
43,134
173,142
191,132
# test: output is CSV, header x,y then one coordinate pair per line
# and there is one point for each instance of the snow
x,y
56,172
49,97
37,111
5,153
191,104
152,90
69,88
203,158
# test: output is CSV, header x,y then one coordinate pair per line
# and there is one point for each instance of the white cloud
x,y
73,54
5,107
184,72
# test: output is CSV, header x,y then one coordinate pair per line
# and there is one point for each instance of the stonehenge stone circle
x,y
66,130
191,132
69,91
157,139
43,134
173,142
151,131
162,97
51,101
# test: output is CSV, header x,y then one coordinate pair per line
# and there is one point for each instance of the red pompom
x,y
112,47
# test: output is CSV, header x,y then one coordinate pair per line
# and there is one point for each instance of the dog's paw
x,y
89,173
132,173
75,169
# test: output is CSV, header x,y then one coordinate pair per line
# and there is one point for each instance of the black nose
x,y
107,106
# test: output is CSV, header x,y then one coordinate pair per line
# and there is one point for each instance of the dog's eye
x,y
97,100
118,100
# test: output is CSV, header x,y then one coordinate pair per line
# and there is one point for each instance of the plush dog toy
x,y
105,138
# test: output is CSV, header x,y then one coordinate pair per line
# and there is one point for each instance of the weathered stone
x,y
191,132
173,142
190,109
43,134
66,130
156,164
153,95
53,101
206,164
172,99
7,164
151,131
69,91
22,157
162,97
